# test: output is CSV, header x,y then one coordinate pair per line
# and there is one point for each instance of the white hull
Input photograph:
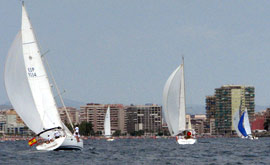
x,y
253,138
110,140
186,141
62,143
52,145
71,143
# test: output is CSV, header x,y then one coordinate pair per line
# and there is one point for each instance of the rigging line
x,y
60,94
58,91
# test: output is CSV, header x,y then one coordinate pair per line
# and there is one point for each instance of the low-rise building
x,y
258,122
3,121
198,123
14,124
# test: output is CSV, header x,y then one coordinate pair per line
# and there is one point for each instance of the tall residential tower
x,y
229,99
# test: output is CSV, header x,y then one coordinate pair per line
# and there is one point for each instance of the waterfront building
x,y
3,121
229,99
267,119
73,114
258,122
210,114
95,113
212,127
14,124
198,123
145,118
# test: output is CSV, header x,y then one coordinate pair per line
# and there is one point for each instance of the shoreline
x,y
26,138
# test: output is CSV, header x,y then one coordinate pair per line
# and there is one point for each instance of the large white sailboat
x,y
30,93
242,125
174,106
107,125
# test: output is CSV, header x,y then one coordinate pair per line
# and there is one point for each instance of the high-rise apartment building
x,y
146,118
210,113
73,114
229,99
95,113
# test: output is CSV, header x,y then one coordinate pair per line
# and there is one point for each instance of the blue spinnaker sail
x,y
240,125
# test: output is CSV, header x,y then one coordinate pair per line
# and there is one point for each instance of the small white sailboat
x,y
242,125
107,125
174,106
30,93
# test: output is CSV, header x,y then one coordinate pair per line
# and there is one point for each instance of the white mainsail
x,y
174,101
246,123
27,83
107,123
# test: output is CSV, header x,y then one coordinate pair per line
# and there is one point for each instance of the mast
x,y
184,88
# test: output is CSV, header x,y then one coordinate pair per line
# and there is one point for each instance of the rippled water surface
x,y
144,151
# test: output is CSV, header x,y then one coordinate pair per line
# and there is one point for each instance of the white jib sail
x,y
174,101
107,123
246,123
27,83
235,123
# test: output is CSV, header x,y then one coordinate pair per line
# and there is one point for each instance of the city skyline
x,y
115,52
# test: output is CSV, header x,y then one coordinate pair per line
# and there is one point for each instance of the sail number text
x,y
31,72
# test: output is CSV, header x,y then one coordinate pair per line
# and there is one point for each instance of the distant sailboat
x,y
174,106
242,125
236,119
107,126
30,93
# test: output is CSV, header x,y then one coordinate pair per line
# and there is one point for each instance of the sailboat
x,y
107,126
236,119
30,92
242,125
174,105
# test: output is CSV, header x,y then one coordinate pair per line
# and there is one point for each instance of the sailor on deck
x,y
76,133
56,134
49,139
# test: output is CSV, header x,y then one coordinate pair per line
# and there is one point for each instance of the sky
x,y
124,51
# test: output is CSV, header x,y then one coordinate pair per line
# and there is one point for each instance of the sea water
x,y
144,151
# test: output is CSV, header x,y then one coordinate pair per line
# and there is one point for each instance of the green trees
x,y
117,133
85,128
137,133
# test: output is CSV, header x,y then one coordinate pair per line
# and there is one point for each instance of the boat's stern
x,y
71,143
